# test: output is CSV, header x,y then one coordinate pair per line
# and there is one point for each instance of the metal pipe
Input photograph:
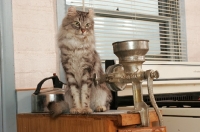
x,y
174,79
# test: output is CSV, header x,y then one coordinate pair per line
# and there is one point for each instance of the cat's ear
x,y
71,11
91,13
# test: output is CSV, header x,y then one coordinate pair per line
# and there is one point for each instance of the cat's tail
x,y
57,108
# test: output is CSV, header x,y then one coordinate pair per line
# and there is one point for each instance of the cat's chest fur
x,y
79,57
77,60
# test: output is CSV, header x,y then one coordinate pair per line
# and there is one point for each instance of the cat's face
x,y
78,23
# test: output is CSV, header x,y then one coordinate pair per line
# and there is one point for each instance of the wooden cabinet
x,y
111,121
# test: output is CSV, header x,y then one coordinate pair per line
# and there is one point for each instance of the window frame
x,y
8,106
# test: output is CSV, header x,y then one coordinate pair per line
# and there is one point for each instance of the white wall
x,y
192,11
35,52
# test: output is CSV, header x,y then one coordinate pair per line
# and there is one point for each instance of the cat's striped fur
x,y
80,62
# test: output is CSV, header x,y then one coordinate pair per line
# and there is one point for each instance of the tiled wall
x,y
192,11
35,52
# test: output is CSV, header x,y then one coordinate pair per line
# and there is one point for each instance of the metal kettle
x,y
41,97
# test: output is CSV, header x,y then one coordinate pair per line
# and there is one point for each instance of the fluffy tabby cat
x,y
80,61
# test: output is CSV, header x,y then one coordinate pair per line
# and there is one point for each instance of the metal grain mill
x,y
131,56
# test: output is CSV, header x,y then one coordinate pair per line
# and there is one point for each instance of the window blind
x,y
158,21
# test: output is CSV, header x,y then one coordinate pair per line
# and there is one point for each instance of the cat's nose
x,y
82,30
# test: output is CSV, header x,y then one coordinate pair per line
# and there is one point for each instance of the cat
x,y
80,62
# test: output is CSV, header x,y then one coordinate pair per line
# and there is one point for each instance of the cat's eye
x,y
87,25
77,24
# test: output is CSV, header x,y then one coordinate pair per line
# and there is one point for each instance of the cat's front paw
x,y
75,111
100,109
86,111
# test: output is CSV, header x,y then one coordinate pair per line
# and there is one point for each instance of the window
x,y
158,21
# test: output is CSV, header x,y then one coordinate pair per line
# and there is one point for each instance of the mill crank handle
x,y
150,75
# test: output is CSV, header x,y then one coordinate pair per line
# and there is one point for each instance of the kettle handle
x,y
56,83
